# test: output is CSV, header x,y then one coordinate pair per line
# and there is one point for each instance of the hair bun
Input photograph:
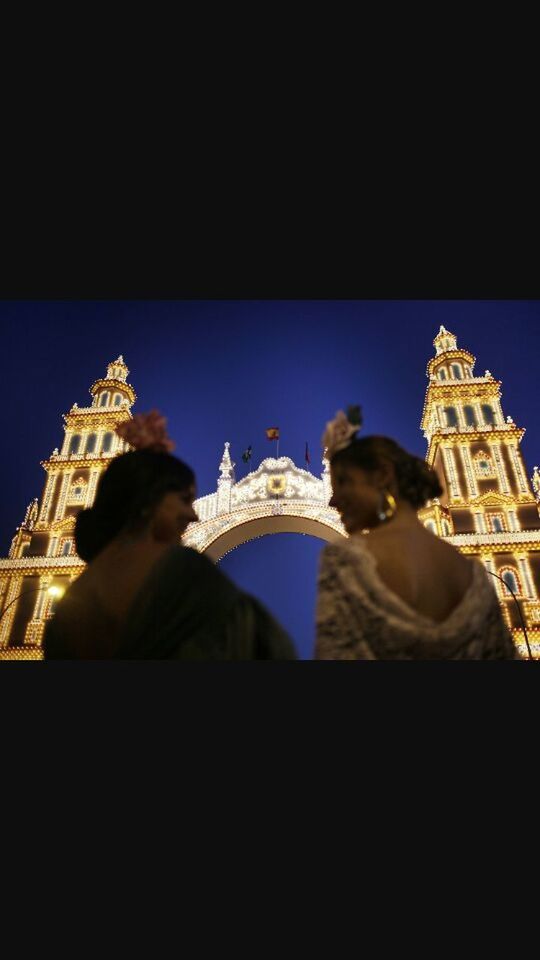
x,y
417,481
92,534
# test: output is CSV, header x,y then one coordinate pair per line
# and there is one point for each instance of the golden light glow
x,y
56,591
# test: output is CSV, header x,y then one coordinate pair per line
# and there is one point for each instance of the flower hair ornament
x,y
146,431
342,430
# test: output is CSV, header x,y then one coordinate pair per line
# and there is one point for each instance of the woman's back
x,y
400,597
429,575
91,618
146,602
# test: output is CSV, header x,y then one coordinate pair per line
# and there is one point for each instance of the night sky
x,y
226,370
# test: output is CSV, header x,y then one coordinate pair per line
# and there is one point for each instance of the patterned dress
x,y
360,618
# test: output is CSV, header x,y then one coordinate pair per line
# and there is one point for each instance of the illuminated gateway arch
x,y
277,497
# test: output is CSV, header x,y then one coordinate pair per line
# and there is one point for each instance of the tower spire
x,y
225,481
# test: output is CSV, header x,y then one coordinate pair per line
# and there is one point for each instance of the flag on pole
x,y
307,459
272,433
246,456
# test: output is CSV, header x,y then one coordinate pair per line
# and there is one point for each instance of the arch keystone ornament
x,y
277,497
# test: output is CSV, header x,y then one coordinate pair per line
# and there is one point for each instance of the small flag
x,y
272,433
307,454
247,454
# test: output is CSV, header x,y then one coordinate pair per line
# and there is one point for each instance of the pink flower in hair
x,y
338,434
146,431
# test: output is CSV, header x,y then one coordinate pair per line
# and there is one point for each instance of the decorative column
x,y
513,522
499,465
14,589
53,543
91,489
47,496
518,467
490,567
469,471
526,578
61,506
448,455
480,521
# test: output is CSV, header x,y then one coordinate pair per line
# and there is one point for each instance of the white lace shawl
x,y
360,618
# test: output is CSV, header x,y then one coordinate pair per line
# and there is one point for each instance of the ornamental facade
x,y
489,509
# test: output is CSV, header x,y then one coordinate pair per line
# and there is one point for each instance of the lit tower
x,y
42,552
488,507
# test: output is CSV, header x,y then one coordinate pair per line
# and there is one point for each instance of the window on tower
x,y
91,443
74,444
511,580
104,399
107,442
457,371
451,416
488,413
470,415
117,399
442,374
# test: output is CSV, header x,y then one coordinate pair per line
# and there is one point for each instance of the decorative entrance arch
x,y
278,497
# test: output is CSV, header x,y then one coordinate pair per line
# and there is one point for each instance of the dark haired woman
x,y
394,590
142,595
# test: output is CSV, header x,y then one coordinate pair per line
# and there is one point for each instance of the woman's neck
x,y
405,518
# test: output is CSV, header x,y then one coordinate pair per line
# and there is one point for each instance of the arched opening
x,y
74,444
511,580
281,572
243,532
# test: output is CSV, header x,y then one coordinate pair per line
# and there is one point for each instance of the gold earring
x,y
387,506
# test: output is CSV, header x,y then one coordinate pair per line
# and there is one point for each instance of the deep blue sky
x,y
226,370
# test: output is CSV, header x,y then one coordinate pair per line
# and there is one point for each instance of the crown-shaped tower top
x,y
445,340
113,389
117,370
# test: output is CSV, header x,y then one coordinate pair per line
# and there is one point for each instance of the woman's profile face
x,y
355,496
173,514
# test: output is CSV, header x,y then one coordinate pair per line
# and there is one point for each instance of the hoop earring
x,y
387,506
